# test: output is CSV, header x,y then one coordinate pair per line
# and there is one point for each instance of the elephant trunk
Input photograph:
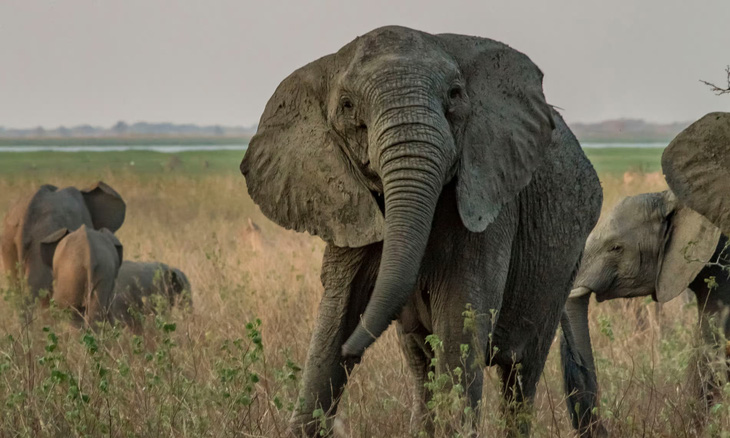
x,y
577,310
414,165
579,371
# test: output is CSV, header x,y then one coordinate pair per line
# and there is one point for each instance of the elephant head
x,y
356,148
648,244
697,167
85,264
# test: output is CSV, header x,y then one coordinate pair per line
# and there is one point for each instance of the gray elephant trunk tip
x,y
358,342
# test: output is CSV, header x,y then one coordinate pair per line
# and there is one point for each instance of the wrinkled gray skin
x,y
85,263
649,244
137,282
440,178
49,209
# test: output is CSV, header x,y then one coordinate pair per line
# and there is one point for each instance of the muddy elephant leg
x,y
701,374
348,276
519,384
463,327
418,356
463,367
9,255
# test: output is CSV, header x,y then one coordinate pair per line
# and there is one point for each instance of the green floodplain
x,y
616,160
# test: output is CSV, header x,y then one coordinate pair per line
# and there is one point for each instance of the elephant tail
x,y
580,385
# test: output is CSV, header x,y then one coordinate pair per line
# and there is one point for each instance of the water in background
x,y
173,149
168,149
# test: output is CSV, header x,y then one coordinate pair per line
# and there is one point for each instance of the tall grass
x,y
232,366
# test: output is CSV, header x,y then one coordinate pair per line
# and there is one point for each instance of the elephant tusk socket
x,y
579,292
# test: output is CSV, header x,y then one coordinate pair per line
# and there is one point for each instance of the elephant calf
x,y
85,264
138,282
649,244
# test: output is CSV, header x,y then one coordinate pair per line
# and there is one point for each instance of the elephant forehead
x,y
403,50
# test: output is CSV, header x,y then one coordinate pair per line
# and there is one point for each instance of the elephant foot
x,y
340,429
421,422
331,427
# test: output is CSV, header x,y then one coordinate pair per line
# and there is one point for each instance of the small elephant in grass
x,y
49,209
85,264
440,179
648,245
138,282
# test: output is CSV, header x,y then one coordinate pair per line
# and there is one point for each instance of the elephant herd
x,y
60,243
441,181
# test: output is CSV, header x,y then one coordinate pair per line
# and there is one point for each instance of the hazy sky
x,y
80,61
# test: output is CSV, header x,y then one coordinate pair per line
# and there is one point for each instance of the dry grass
x,y
216,372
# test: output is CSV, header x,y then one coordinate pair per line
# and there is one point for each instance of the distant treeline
x,y
122,141
621,130
627,130
136,130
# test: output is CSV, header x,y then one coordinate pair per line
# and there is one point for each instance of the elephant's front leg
x,y
412,337
703,375
348,276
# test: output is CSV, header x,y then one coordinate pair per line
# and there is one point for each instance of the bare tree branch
x,y
718,90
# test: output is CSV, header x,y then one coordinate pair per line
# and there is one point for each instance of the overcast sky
x,y
81,61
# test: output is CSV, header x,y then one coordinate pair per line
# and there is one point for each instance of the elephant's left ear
x,y
106,206
49,244
689,243
296,172
508,131
697,167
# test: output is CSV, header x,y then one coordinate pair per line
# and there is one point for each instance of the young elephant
x,y
649,244
47,210
137,282
85,264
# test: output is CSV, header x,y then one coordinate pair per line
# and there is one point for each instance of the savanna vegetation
x,y
231,366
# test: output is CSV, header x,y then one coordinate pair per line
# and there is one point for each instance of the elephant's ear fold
x,y
49,244
106,206
508,131
690,240
117,244
697,167
296,172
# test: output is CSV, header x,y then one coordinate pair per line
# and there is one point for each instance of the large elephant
x,y
137,282
85,264
47,210
697,167
647,245
440,178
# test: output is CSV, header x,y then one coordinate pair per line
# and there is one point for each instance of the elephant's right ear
x,y
690,240
697,167
49,244
296,172
106,206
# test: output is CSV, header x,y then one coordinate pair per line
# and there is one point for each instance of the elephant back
x,y
48,210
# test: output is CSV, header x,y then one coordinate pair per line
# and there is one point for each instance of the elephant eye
x,y
455,92
346,104
616,248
